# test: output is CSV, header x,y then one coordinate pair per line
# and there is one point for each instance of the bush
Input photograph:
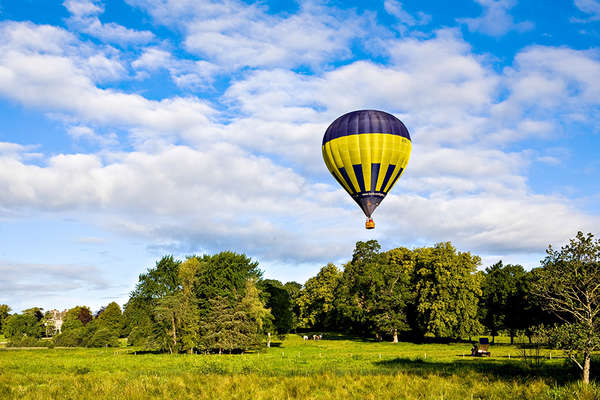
x,y
70,338
27,341
104,337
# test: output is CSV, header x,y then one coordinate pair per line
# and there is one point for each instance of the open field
x,y
333,368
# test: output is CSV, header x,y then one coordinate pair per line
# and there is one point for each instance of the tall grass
x,y
335,368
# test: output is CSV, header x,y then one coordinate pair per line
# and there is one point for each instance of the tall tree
x,y
447,291
140,314
503,301
279,302
234,325
4,313
374,291
111,318
17,326
316,300
569,285
294,289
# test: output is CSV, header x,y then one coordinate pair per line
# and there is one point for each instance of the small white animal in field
x,y
305,337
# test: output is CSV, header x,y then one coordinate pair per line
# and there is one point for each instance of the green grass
x,y
336,368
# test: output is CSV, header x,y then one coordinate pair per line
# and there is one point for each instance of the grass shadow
x,y
560,373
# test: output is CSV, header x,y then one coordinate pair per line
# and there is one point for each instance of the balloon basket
x,y
370,224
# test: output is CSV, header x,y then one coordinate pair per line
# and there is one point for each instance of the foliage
x,y
569,285
19,325
103,337
81,313
504,302
279,301
447,291
111,318
4,313
375,290
316,300
234,325
73,337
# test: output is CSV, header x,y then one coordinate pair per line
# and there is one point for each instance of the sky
x,y
133,129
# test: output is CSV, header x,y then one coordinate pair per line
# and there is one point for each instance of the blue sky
x,y
131,129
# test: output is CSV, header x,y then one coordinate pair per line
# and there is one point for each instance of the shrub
x,y
70,338
103,337
26,341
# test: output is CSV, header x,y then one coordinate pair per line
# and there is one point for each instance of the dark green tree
x,y
504,299
111,318
293,289
448,288
18,325
4,313
569,286
375,291
278,300
317,298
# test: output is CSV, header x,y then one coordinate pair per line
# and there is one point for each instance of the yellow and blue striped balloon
x,y
366,151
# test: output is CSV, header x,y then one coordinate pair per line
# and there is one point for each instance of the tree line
x,y
221,303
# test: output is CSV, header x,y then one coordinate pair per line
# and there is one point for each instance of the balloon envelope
x,y
366,151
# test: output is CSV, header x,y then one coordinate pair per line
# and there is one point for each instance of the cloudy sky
x,y
131,129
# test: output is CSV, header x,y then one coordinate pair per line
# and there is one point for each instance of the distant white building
x,y
54,321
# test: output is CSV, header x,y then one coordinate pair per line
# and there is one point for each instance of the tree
x,y
82,314
223,275
189,316
278,300
569,286
374,291
235,325
503,301
316,300
294,289
18,325
140,315
111,318
4,313
447,291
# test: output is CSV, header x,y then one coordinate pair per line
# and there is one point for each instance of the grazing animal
x,y
305,337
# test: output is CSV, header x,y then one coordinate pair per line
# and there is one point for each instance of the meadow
x,y
336,367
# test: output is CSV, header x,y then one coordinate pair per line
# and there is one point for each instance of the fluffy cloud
x,y
234,34
84,17
245,172
496,19
590,7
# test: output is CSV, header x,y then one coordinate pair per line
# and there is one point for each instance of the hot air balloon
x,y
366,151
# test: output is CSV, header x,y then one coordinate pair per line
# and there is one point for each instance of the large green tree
x,y
279,301
504,299
316,300
111,318
569,286
447,288
235,325
375,290
17,326
4,313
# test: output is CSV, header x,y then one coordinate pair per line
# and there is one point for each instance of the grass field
x,y
334,368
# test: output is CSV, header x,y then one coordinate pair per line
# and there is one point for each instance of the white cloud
x,y
234,34
394,7
19,280
496,19
590,7
184,73
84,17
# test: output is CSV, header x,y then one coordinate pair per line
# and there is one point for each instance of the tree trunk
x,y
268,339
586,368
395,336
174,332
